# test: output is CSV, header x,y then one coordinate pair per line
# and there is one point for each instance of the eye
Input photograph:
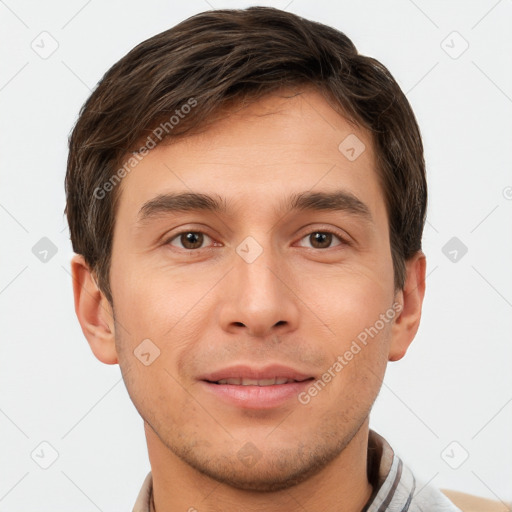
x,y
322,240
189,240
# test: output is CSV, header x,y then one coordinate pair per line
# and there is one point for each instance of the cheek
x,y
347,299
357,369
353,304
150,300
170,308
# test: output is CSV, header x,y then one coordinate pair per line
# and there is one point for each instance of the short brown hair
x,y
224,57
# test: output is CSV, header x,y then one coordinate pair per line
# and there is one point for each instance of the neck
x,y
341,486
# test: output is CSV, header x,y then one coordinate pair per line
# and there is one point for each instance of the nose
x,y
259,300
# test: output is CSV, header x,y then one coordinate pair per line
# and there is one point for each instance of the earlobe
x,y
93,311
411,297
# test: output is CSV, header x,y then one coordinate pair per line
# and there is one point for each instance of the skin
x,y
301,303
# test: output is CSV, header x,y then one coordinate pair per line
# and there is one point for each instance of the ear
x,y
94,312
411,299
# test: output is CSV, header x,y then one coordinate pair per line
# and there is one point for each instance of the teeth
x,y
264,382
255,382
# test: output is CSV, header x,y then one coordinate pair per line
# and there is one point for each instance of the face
x,y
277,273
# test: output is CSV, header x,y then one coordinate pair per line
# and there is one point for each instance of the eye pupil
x,y
323,239
192,240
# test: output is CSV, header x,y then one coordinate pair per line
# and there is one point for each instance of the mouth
x,y
252,388
245,375
257,382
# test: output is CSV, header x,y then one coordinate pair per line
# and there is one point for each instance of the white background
x,y
455,384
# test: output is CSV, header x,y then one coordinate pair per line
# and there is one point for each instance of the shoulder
x,y
470,503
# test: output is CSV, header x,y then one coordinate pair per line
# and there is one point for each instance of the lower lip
x,y
257,397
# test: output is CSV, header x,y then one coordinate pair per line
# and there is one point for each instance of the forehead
x,y
282,144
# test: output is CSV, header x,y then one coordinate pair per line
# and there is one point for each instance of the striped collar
x,y
393,484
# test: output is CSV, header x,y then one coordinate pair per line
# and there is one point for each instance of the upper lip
x,y
250,372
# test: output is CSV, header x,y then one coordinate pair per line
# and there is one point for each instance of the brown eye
x,y
321,240
189,240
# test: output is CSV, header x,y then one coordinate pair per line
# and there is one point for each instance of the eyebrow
x,y
335,201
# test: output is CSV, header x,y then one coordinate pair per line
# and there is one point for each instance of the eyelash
x,y
341,239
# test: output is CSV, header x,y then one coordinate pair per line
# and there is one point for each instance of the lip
x,y
256,397
252,396
250,372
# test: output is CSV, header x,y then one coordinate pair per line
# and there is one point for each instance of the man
x,y
246,196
